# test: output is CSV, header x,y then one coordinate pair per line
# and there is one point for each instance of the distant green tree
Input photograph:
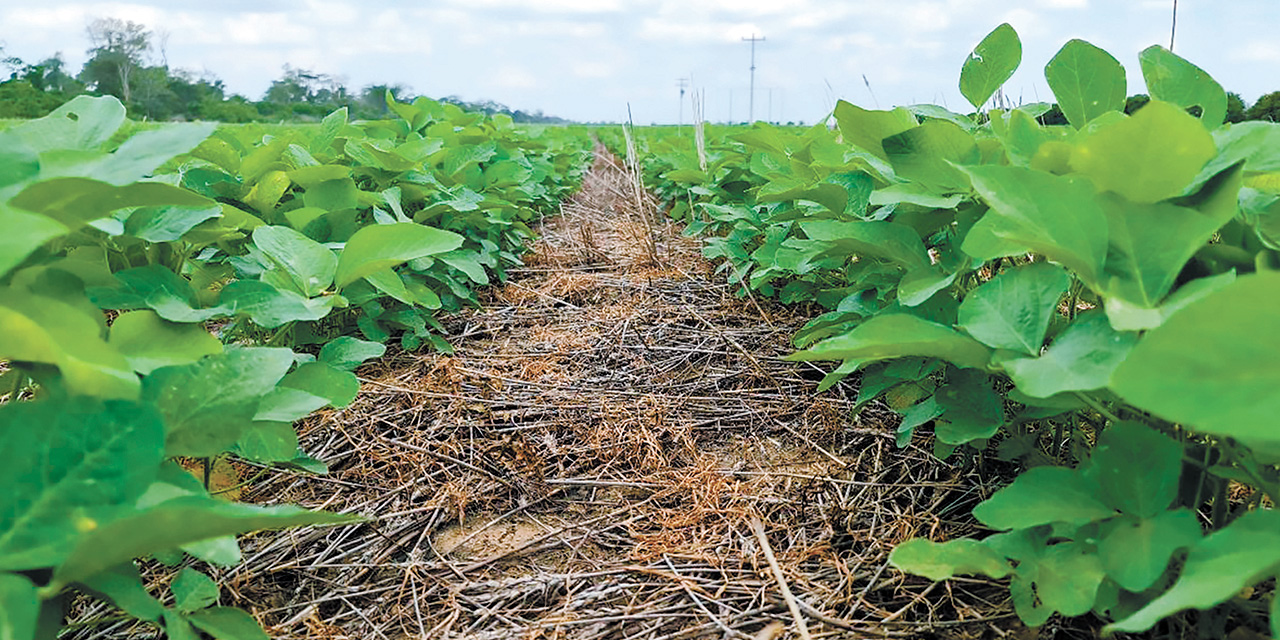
x,y
233,109
50,75
117,51
373,99
1266,108
1235,107
305,86
20,99
1135,102
293,86
1053,116
14,63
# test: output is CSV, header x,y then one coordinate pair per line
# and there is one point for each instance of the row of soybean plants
x,y
1097,301
191,292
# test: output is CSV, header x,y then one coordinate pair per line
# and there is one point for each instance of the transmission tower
x,y
751,100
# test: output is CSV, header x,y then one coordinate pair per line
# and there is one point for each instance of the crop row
x,y
190,293
1096,301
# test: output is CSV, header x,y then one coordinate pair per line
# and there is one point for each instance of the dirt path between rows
x,y
593,461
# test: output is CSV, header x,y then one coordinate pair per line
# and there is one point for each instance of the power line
x,y
751,100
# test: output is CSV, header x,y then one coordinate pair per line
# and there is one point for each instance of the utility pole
x,y
751,101
683,83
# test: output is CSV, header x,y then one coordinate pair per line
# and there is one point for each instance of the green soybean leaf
x,y
886,240
1082,358
77,201
193,590
841,372
333,195
1012,311
122,585
1151,243
309,264
389,282
177,628
285,406
1227,384
149,342
1257,144
1173,79
918,414
913,194
990,65
267,191
1063,577
919,284
18,162
971,408
40,329
310,177
270,307
84,123
1137,469
1217,568
1136,551
269,441
1148,157
1128,317
1047,214
166,224
939,561
866,129
222,551
24,233
227,623
1087,82
858,187
86,460
19,607
319,380
153,287
143,153
347,353
899,335
174,523
378,247
927,154
206,405
468,262
330,127
265,158
926,111
1043,495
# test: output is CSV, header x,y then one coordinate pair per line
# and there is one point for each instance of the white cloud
x,y
1266,51
698,32
1064,4
593,69
513,77
545,6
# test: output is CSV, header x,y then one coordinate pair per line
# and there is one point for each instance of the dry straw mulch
x,y
616,450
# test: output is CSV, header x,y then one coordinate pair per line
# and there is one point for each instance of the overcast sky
x,y
587,59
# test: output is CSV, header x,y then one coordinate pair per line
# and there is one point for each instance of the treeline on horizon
x,y
122,63
119,66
